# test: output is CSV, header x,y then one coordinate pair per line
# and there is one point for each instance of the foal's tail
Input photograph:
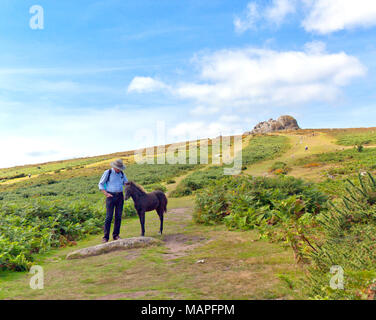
x,y
163,201
165,205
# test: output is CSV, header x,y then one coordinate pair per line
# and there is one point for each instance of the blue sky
x,y
102,76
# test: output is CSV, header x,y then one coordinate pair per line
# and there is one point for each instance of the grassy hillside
x,y
257,232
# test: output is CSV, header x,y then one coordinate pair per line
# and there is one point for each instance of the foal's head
x,y
132,189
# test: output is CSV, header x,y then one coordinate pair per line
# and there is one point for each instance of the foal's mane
x,y
139,189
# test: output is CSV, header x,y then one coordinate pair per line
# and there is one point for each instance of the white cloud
x,y
250,19
273,14
145,84
315,47
204,110
320,16
230,118
256,77
329,16
279,10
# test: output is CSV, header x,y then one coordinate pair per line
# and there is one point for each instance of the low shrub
x,y
197,180
279,168
347,162
312,165
39,226
359,147
347,244
156,186
247,202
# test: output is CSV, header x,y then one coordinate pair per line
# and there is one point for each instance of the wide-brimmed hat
x,y
118,164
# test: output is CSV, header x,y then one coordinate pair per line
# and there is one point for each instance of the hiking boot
x,y
117,238
104,240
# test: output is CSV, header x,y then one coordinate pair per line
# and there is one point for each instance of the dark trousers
x,y
113,203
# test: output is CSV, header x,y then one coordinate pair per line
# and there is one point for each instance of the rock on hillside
x,y
282,123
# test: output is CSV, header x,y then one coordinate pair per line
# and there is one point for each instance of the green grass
x,y
259,148
11,173
344,162
237,264
262,148
52,212
197,180
232,260
85,187
351,139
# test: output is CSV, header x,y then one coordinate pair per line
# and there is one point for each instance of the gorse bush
x,y
279,167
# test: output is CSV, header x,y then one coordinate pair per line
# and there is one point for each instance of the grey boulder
x,y
121,244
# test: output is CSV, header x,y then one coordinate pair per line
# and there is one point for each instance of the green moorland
x,y
54,167
258,149
274,231
351,137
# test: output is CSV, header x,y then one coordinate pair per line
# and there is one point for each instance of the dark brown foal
x,y
144,202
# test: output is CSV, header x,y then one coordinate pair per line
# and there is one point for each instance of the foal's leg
x,y
160,214
141,215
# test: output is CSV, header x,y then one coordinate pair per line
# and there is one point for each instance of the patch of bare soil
x,y
179,214
132,254
179,244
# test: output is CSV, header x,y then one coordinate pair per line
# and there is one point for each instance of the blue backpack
x,y
108,178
